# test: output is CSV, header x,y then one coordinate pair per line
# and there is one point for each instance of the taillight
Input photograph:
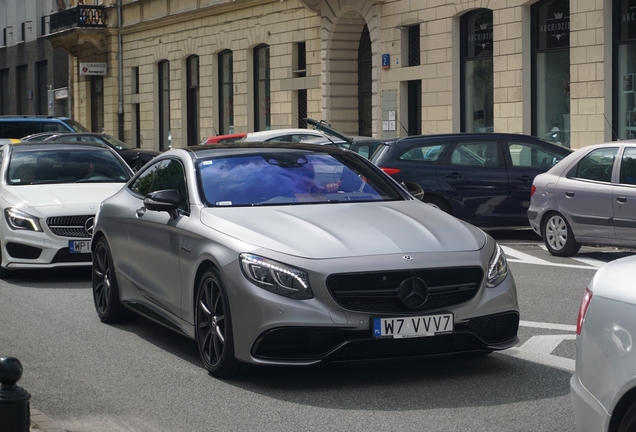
x,y
391,171
585,303
533,189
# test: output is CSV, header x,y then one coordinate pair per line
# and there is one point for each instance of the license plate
x,y
79,246
407,327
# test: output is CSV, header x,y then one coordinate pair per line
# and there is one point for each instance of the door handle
x,y
569,194
621,200
140,211
524,178
454,176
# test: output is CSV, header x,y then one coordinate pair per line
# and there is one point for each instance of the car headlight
x,y
276,277
497,268
20,220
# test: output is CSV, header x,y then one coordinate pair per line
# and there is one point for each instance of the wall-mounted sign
x,y
93,69
386,61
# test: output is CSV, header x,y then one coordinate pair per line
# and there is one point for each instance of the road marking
x,y
525,258
538,349
550,326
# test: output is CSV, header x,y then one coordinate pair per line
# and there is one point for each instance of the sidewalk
x,y
41,423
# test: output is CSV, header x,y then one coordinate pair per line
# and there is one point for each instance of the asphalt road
x,y
87,376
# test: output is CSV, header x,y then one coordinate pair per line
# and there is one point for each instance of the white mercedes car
x,y
49,194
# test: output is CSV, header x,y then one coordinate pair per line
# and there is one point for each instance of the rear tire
x,y
628,422
213,327
558,237
105,288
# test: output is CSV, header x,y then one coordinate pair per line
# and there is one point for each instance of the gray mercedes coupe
x,y
296,254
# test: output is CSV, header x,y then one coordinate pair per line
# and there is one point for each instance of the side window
x,y
480,153
19,129
628,166
425,153
527,155
597,165
166,174
53,127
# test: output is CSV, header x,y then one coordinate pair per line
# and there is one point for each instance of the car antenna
x,y
611,128
398,120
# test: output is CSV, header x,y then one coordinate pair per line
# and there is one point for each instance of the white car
x,y
603,387
283,135
49,194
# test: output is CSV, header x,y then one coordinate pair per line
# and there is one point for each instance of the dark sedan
x,y
134,157
482,178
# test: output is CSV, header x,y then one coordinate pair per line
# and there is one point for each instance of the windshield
x,y
114,142
77,127
66,166
292,177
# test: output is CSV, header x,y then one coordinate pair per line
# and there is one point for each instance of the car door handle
x,y
524,178
454,176
569,194
140,211
621,200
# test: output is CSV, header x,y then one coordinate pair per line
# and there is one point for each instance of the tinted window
x,y
165,174
18,129
483,154
526,155
291,177
596,165
425,153
628,167
54,127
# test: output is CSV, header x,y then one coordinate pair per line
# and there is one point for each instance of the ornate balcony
x,y
71,28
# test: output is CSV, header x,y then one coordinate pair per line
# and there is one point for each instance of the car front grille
x,y
69,226
378,292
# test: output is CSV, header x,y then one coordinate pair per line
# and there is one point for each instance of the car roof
x,y
25,146
242,147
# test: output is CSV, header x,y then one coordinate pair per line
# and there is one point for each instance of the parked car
x,y
49,194
481,178
603,387
21,126
362,145
588,198
224,138
281,135
134,157
291,254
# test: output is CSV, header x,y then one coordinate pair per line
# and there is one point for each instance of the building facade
x,y
169,73
34,78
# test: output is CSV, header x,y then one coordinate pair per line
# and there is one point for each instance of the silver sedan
x,y
603,387
295,254
587,198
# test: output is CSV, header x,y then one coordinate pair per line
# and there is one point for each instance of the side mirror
x,y
414,189
163,200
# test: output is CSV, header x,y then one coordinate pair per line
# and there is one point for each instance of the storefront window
x,y
551,70
477,72
625,69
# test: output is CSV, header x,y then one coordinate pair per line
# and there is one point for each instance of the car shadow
x,y
445,382
74,278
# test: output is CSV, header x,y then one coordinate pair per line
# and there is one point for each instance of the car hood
x,y
346,230
62,196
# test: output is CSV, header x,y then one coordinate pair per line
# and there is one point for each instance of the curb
x,y
41,423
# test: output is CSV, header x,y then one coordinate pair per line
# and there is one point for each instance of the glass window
x,y
426,153
597,165
483,154
291,177
477,72
628,167
162,175
526,155
192,100
262,114
624,70
165,137
226,93
551,70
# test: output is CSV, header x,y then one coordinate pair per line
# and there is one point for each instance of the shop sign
x,y
93,69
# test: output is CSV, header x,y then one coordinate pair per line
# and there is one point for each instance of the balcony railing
x,y
80,16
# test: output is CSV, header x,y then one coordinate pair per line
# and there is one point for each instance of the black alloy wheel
x,y
213,326
105,289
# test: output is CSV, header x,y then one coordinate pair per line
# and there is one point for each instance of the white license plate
x,y
79,246
418,326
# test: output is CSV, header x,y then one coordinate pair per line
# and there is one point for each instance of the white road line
x,y
525,258
591,261
538,349
549,326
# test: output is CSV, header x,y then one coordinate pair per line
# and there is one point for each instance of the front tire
x,y
105,289
558,237
213,326
628,423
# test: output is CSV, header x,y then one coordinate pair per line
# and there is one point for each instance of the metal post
x,y
15,415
